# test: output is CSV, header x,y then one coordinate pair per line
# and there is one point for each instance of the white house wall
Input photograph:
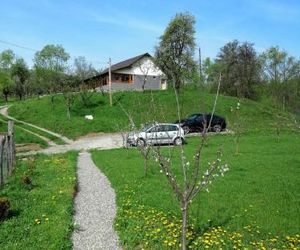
x,y
145,66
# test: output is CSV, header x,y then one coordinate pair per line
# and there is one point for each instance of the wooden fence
x,y
7,153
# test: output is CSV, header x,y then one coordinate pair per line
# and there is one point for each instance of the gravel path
x,y
95,208
102,141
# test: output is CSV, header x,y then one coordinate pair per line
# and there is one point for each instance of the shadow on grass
x,y
13,213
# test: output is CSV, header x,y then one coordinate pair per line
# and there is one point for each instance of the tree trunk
x,y
52,101
177,84
69,112
143,86
184,212
145,166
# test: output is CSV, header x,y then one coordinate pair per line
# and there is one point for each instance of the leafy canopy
x,y
174,54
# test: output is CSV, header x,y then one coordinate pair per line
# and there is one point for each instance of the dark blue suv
x,y
196,123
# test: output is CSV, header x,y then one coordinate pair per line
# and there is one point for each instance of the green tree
x,y
50,65
279,66
20,74
6,85
240,67
7,58
174,54
281,75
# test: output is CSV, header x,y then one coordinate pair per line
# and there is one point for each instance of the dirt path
x,y
95,208
3,111
49,142
102,141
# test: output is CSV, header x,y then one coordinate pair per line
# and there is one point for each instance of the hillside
x,y
144,108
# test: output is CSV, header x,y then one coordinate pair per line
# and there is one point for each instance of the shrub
x,y
26,180
4,207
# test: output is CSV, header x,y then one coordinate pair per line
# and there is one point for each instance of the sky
x,y
99,30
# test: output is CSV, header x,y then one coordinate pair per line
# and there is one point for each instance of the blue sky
x,y
121,29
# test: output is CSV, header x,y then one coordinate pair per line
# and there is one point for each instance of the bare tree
x,y
196,177
144,66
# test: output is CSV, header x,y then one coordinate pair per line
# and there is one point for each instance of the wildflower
x,y
37,221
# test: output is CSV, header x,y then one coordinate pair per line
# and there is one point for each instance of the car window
x,y
153,129
168,127
192,117
200,118
173,128
157,128
146,127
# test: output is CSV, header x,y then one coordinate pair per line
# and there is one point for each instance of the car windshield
x,y
146,127
194,116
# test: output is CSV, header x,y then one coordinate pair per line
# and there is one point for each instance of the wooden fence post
x,y
1,159
7,153
11,146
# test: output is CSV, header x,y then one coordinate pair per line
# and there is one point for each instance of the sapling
x,y
196,177
237,126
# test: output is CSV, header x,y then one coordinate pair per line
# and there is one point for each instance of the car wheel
x,y
186,129
178,141
140,143
217,128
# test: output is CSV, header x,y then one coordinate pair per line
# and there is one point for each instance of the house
x,y
137,73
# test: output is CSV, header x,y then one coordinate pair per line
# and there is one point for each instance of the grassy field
x,y
21,136
41,212
255,205
143,107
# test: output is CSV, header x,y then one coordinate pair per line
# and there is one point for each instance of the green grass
x,y
259,198
142,109
41,215
53,138
23,137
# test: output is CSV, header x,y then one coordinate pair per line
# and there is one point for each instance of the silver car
x,y
160,133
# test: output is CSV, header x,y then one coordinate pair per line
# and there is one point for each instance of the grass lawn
x,y
256,204
41,215
142,109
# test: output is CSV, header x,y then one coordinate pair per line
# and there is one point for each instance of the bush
x,y
4,207
26,180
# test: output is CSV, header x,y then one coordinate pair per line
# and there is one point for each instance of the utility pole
x,y
200,63
109,81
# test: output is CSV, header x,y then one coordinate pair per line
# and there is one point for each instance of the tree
x,y
281,74
6,84
50,65
83,69
279,66
20,74
174,54
210,73
240,67
7,58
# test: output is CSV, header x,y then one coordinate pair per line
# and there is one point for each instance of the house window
x,y
122,78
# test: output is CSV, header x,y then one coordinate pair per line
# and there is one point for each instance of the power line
x,y
18,46
35,50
